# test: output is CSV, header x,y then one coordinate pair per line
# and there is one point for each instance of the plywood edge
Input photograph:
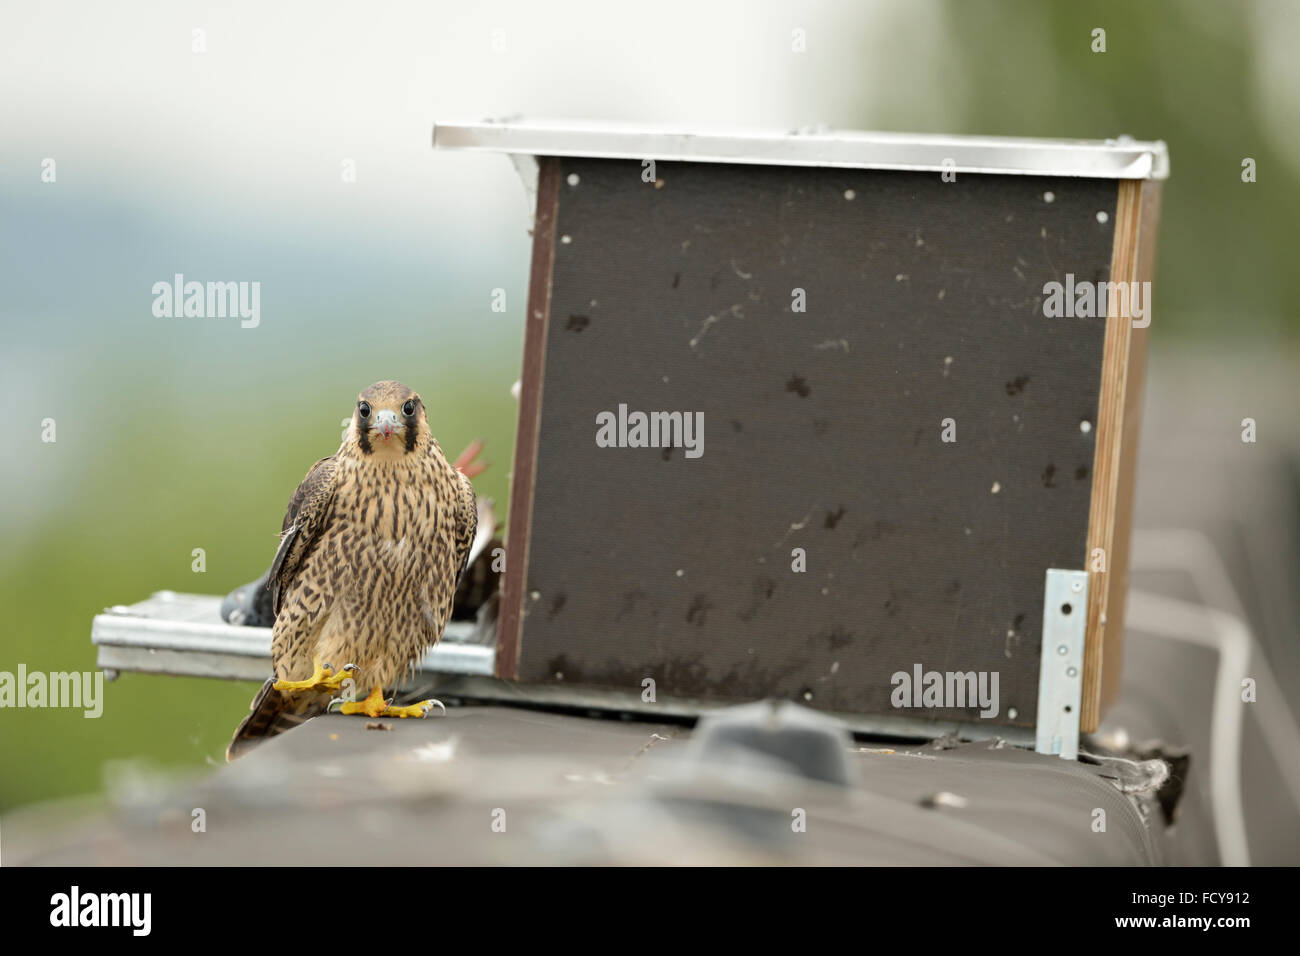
x,y
530,410
1119,413
1112,648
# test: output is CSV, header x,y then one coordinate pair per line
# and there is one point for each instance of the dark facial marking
x,y
363,434
412,422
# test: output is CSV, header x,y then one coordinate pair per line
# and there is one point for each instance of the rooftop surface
x,y
494,785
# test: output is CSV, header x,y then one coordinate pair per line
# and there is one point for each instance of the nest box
x,y
844,418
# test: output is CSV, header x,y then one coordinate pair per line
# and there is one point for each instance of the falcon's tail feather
x,y
272,713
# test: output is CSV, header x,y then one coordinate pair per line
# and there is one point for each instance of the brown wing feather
x,y
466,524
303,521
272,713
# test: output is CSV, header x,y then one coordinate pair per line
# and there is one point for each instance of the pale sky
x,y
288,90
230,160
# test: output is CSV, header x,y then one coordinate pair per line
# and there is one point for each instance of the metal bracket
x,y
1060,667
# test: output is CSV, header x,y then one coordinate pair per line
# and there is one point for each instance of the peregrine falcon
x,y
372,546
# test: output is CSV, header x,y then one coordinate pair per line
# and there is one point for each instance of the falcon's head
x,y
389,422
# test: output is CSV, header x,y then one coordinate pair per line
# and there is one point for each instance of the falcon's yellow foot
x,y
335,680
373,706
324,678
376,706
415,710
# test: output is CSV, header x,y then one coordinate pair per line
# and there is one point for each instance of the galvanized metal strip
x,y
183,634
1060,668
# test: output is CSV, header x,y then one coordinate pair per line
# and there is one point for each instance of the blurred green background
x,y
175,434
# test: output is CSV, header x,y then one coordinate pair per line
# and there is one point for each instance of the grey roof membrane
x,y
577,790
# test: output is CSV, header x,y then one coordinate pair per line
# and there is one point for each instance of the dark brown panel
x,y
821,430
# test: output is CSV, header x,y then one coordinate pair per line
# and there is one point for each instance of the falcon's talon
x,y
322,678
420,709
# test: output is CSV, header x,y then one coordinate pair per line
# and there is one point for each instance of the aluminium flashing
x,y
1120,158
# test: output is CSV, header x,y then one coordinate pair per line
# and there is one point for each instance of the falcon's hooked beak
x,y
386,422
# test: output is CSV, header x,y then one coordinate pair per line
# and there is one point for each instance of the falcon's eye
x,y
408,409
363,409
